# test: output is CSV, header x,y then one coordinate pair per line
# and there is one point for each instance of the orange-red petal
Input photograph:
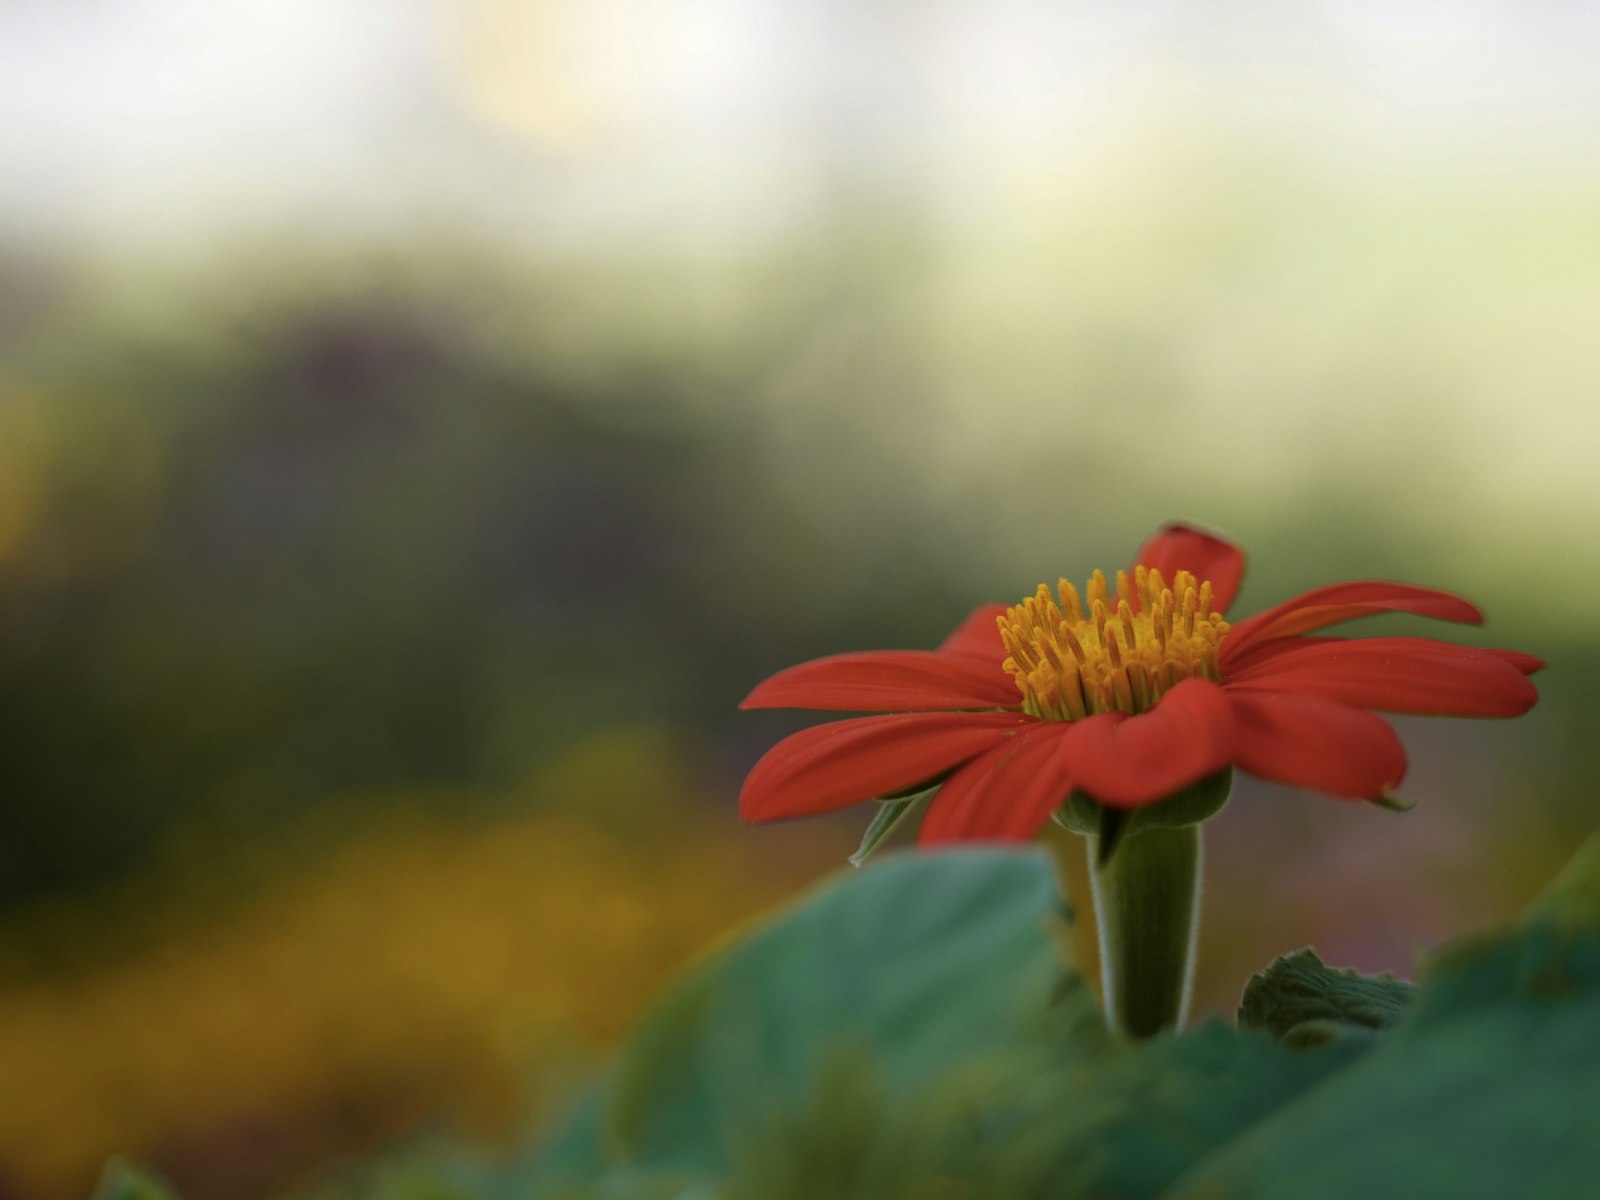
x,y
1177,547
1337,602
1314,742
844,762
1127,762
1526,663
1007,793
978,635
888,681
1395,674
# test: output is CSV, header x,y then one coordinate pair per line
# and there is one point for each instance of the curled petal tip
x,y
1528,664
1393,803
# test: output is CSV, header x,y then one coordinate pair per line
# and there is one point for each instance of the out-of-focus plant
x,y
431,973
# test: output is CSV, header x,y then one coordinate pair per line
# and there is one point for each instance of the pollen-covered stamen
x,y
1110,652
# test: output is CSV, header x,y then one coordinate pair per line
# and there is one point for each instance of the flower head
x,y
1127,692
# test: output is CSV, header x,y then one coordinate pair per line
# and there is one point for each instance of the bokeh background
x,y
421,421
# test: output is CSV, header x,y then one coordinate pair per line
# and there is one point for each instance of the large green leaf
x,y
1132,1123
1489,1086
920,966
911,1026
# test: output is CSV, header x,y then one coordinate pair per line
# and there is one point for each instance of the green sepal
x,y
1198,802
884,822
1393,804
1114,822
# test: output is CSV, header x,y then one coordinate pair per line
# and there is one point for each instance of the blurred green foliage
x,y
955,1065
265,551
1300,1000
424,975
128,1181
263,545
334,555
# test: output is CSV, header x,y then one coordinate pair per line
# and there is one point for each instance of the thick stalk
x,y
1147,908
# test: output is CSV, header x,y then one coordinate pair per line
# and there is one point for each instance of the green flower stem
x,y
1147,908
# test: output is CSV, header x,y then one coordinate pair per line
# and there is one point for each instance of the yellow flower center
x,y
1117,653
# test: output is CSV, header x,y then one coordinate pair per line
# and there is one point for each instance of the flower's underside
x,y
1128,696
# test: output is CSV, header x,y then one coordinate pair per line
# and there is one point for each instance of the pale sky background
x,y
1271,193
127,118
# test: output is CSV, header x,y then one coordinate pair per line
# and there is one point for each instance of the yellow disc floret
x,y
1116,652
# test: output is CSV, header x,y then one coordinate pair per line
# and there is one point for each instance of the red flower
x,y
1127,695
